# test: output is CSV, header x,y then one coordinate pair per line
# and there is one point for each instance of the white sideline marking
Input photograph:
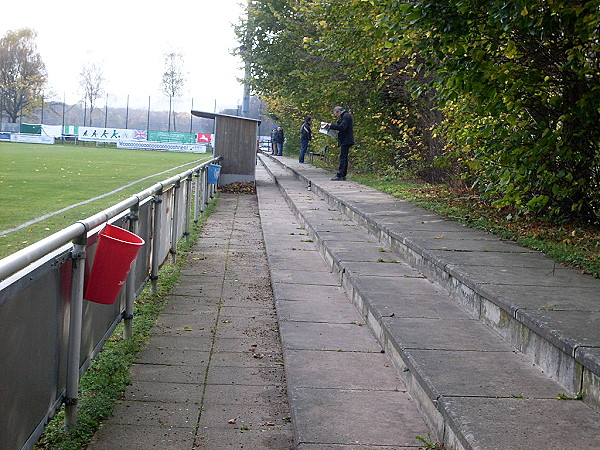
x,y
45,216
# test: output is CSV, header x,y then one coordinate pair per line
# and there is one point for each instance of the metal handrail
x,y
26,256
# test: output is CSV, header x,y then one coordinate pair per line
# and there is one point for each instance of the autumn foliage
x,y
503,97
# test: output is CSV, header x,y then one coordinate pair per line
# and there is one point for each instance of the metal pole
x,y
191,116
127,113
148,123
156,240
196,196
106,111
204,188
170,106
175,225
63,113
188,207
75,321
130,293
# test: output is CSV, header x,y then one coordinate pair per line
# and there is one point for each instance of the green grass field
x,y
39,179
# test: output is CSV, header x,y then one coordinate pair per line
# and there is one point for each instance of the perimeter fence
x,y
156,113
49,334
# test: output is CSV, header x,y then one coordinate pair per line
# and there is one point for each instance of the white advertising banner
x,y
52,130
109,134
162,146
31,138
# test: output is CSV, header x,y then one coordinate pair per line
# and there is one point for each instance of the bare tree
x,y
22,73
173,80
91,82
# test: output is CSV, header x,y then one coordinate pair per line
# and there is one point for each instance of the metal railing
x,y
48,334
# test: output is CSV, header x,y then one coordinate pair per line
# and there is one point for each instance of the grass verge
x,y
107,378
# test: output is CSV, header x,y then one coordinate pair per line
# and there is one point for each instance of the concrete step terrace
x,y
472,322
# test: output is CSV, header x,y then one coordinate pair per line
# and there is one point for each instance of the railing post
x,y
75,321
188,207
156,240
204,188
130,292
175,225
197,196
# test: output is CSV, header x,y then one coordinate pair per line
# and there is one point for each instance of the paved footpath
x,y
212,374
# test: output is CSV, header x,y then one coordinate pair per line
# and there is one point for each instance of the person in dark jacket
x,y
273,143
279,140
345,128
305,137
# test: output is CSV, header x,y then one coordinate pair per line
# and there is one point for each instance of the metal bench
x,y
321,154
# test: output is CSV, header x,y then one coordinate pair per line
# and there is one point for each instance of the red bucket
x,y
117,249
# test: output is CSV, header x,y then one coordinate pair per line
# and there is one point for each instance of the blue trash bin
x,y
214,170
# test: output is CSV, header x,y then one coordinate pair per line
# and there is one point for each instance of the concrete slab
x,y
365,269
566,329
493,259
398,288
359,251
247,376
166,415
482,374
161,373
544,297
515,422
221,394
150,391
431,306
304,277
288,291
387,424
459,334
325,336
315,310
142,437
340,370
533,276
270,437
173,357
185,342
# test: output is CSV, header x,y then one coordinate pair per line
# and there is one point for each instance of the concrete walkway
x,y
212,374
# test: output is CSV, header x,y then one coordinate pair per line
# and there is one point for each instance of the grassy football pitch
x,y
39,179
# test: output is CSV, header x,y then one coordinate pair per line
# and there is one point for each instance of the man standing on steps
x,y
305,137
279,140
345,129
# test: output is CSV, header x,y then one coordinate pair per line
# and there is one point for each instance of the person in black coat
x,y
273,139
279,140
305,137
345,128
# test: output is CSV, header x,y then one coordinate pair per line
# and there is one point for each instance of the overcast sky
x,y
129,38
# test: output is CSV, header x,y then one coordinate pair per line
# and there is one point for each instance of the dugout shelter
x,y
235,141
